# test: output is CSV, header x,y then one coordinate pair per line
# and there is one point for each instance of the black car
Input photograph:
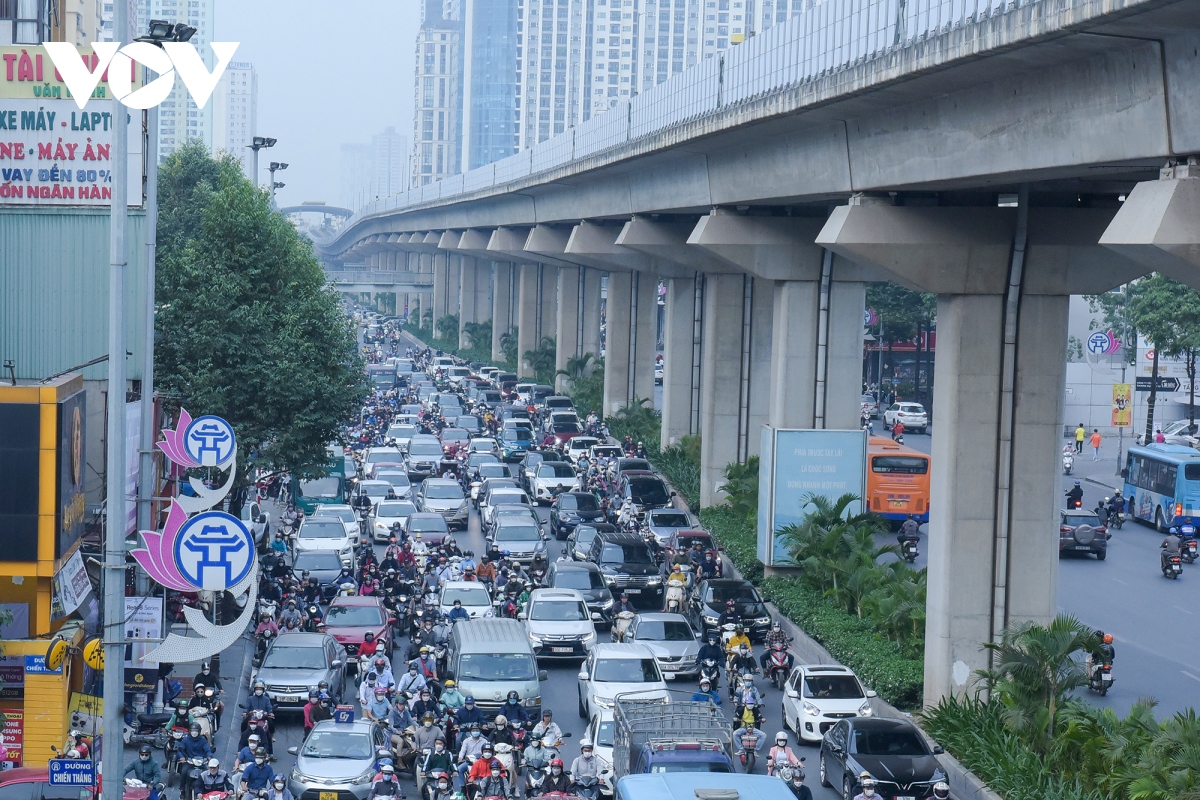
x,y
571,508
892,751
708,603
628,567
645,489
579,542
324,565
585,578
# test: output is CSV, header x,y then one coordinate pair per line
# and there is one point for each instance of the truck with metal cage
x,y
669,736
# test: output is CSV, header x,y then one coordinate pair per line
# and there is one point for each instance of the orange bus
x,y
897,481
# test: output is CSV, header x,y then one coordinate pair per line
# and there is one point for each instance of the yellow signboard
x,y
1122,405
27,73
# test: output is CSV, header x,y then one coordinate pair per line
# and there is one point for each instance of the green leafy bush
x,y
639,421
677,466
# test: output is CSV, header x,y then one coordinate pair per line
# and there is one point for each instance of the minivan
x,y
488,658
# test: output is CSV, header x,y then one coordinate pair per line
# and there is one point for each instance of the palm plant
x,y
541,359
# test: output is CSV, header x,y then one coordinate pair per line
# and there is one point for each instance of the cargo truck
x,y
658,736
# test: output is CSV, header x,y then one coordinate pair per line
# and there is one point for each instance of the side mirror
x,y
871,693
792,693
262,519
543,675
583,676
522,616
673,494
293,751
337,662
937,750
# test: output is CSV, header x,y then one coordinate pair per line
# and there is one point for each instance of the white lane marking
x,y
1184,610
1190,675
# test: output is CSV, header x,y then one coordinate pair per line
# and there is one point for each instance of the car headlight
x,y
589,638
865,709
347,549
654,580
811,710
488,612
711,620
380,526
364,778
535,637
531,702
607,603
763,620
603,702
300,777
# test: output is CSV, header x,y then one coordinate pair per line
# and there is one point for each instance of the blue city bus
x,y
1162,485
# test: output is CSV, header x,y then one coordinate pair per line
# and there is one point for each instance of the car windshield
x,y
468,422
890,742
432,523
626,670
671,630
492,470
317,528
577,579
395,508
337,744
424,449
608,451
323,488
567,427
403,432
648,490
1075,520
385,457
670,519
455,434
282,656
496,667
316,560
375,488
507,498
353,616
517,533
904,465
344,514
604,734
832,687
722,592
398,479
559,611
911,409
443,491
687,541
578,502
555,469
626,554
469,595
690,766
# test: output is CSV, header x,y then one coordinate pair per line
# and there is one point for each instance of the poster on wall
x,y
797,464
71,586
143,621
12,738
12,677
1122,407
87,712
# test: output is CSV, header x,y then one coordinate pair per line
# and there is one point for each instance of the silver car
x,y
672,640
296,662
443,496
522,539
662,522
337,758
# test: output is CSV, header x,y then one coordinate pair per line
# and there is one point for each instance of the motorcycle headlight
x,y
811,710
865,709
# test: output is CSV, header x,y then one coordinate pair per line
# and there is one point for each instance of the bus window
x,y
907,465
1191,472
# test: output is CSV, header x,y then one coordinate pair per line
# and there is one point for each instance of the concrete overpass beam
x,y
502,299
1157,225
527,316
567,337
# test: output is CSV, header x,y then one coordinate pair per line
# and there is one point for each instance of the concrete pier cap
x,y
666,240
598,244
1157,224
772,248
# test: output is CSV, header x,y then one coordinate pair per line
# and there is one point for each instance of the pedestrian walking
x,y
1159,437
1095,444
1080,434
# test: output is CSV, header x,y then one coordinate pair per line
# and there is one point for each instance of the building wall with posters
x,y
40,716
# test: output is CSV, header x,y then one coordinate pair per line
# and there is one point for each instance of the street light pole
x,y
114,471
256,144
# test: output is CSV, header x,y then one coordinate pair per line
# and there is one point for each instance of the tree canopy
x,y
247,327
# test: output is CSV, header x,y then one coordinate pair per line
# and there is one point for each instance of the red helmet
x,y
556,762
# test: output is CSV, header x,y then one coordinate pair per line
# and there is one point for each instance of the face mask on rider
x,y
258,692
439,747
556,770
260,761
868,791
428,723
443,785
145,757
495,773
474,734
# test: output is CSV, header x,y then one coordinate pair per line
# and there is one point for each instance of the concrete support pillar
x,y
617,378
644,346
794,354
441,287
527,311
502,288
758,389
472,303
547,318
726,297
589,337
844,350
453,282
567,337
681,351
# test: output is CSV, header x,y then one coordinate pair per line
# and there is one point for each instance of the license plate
x,y
1106,678
670,667
562,649
632,591
328,796
1082,547
898,503
898,797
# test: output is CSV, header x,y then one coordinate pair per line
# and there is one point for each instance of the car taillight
x,y
1064,529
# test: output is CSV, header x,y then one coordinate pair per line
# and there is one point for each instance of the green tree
x,y
542,359
248,328
906,315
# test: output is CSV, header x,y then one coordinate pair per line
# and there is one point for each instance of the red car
x,y
349,618
562,433
33,783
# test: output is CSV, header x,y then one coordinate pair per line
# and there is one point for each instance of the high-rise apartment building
x,y
491,53
235,113
356,175
373,171
437,94
179,120
78,22
552,68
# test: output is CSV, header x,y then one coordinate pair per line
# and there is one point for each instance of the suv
x,y
349,618
708,601
296,662
645,489
615,669
559,623
911,415
585,578
571,508
424,455
551,479
1082,531
628,566
816,696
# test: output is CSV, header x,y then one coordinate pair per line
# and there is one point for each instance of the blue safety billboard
x,y
795,464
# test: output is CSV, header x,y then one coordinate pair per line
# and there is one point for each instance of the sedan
x,y
443,496
892,751
429,528
816,696
579,543
338,759
454,438
911,415
868,406
296,662
398,478
375,490
499,497
580,446
344,513
325,533
389,513
570,509
710,598
672,640
321,565
662,522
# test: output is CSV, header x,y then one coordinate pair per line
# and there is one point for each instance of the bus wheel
x,y
1158,521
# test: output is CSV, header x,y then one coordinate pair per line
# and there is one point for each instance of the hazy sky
x,y
329,72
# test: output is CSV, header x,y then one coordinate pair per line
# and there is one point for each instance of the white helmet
x,y
781,735
212,762
585,743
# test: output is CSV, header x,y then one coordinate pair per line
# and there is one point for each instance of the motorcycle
x,y
781,766
1172,566
535,776
151,729
747,754
1187,548
1102,679
507,758
262,642
777,665
187,770
1068,460
710,671
587,787
909,551
620,625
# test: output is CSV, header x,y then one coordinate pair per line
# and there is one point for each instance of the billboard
x,y
797,463
71,505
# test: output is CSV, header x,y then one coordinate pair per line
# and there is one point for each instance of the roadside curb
x,y
1099,482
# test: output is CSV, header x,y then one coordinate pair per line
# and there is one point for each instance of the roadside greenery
x,y
248,327
586,383
542,360
1032,739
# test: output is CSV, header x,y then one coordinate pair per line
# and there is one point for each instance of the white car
x,y
382,455
456,375
560,418
402,434
911,415
483,445
606,451
617,669
559,624
1178,432
388,513
342,512
499,497
474,596
257,521
602,730
580,446
524,392
816,696
326,533
551,479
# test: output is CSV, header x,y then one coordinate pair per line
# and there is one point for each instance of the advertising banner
x,y
804,463
71,586
27,73
12,677
1122,408
71,502
12,737
143,620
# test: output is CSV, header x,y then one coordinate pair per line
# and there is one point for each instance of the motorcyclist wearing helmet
x,y
537,755
504,733
706,693
438,759
730,614
742,660
258,701
548,729
265,624
495,784
379,708
279,790
291,616
413,681
427,733
1074,499
1172,546
386,785
144,767
212,779
776,636
427,663
941,791
469,714
452,698
744,731
513,710
426,705
257,775
781,755
585,765
710,567
483,765
210,679
799,790
470,750
557,779
711,649
194,745
867,787
245,756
